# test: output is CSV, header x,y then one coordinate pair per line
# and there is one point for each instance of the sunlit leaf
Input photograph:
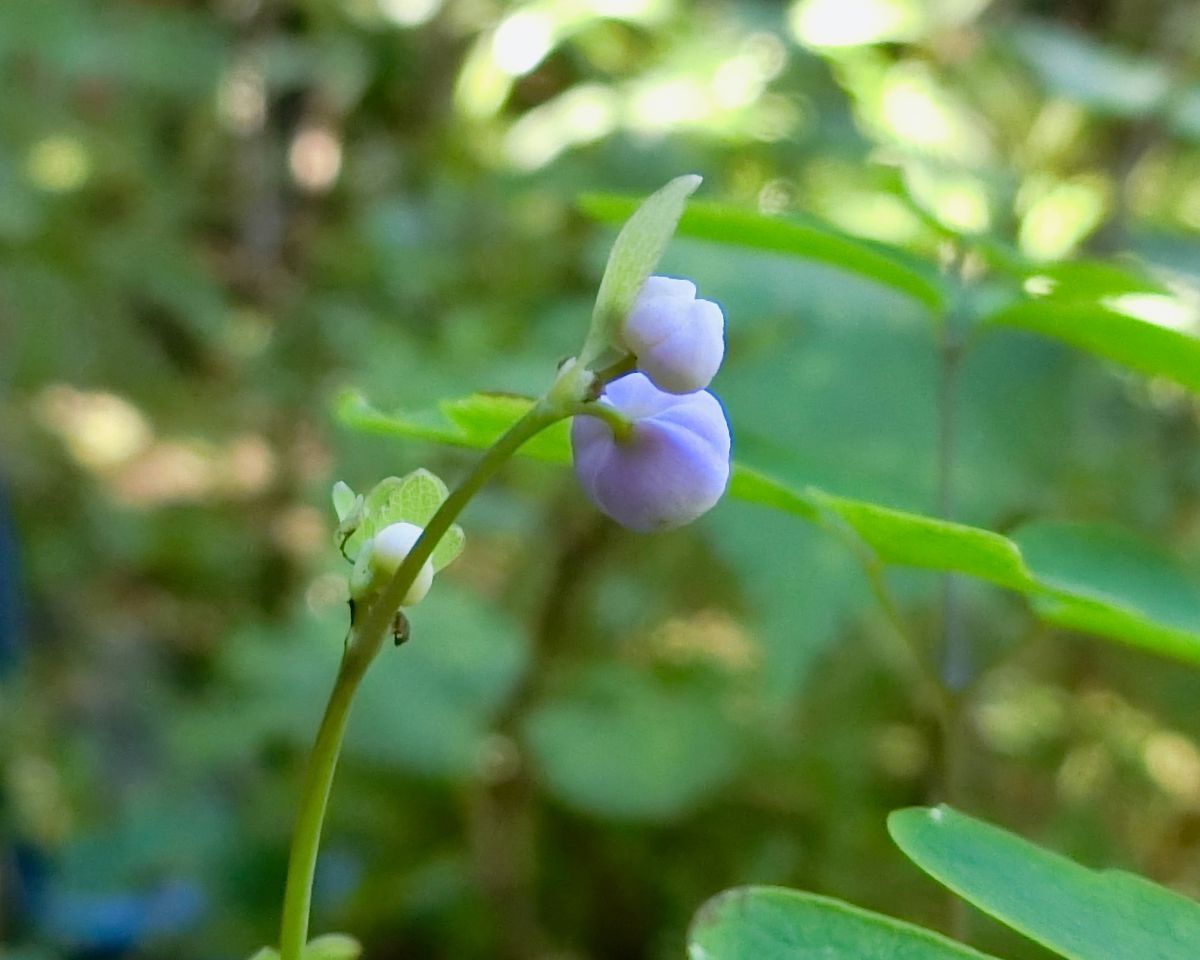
x,y
634,255
1089,280
792,237
771,923
1079,913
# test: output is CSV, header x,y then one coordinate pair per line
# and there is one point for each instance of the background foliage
x,y
215,216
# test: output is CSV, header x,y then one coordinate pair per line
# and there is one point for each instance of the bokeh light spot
x,y
58,164
521,41
409,13
100,430
315,158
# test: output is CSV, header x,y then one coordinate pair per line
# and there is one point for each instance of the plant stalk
x,y
366,638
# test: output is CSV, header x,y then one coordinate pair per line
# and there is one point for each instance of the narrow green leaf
x,y
474,422
266,953
1081,597
771,923
1132,342
1090,280
635,253
753,487
1105,581
1079,913
809,240
913,540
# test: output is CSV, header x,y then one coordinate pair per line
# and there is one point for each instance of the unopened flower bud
x,y
672,466
678,341
383,555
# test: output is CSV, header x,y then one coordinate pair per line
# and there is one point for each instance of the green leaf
x,y
913,540
428,707
1090,280
382,505
474,422
266,953
897,537
634,255
413,498
1105,581
1079,913
448,548
771,923
621,744
1132,342
807,239
418,497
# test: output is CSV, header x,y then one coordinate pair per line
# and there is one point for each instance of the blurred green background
x,y
213,215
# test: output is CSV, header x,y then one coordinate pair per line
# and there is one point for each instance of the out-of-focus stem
x,y
939,697
957,665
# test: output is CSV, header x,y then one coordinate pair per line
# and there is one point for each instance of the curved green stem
x,y
318,779
618,368
366,638
620,424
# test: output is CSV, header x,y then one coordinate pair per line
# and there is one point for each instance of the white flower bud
x,y
387,551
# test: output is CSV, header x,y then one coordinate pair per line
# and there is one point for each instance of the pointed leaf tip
x,y
343,499
635,253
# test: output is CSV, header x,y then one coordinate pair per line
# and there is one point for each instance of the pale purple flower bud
x,y
678,341
671,468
